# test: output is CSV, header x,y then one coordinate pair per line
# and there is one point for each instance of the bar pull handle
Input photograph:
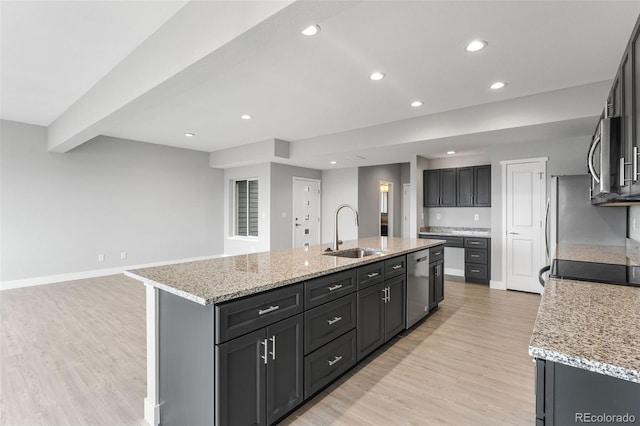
x,y
396,267
635,163
273,346
334,287
264,357
334,360
269,309
623,165
475,270
373,274
474,255
334,320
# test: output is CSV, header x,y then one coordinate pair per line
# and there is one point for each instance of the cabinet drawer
x,y
328,363
331,287
326,322
239,317
473,270
481,243
436,253
371,274
450,241
396,266
475,256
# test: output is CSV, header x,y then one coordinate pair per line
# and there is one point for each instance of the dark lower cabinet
x,y
259,376
381,314
436,283
568,395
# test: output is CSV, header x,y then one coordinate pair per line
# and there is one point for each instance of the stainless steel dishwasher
x,y
417,286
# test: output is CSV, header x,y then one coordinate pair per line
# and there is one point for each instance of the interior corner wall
x,y
59,211
339,186
566,157
369,179
282,202
242,245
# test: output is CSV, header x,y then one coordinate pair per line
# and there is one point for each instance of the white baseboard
x,y
497,285
151,412
454,272
51,279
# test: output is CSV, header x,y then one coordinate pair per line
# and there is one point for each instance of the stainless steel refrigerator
x,y
572,219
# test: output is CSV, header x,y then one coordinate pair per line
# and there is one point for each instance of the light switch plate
x,y
476,217
438,216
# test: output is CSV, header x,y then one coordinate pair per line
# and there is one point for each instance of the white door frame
x,y
406,211
503,230
293,209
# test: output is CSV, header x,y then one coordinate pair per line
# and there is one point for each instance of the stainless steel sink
x,y
355,253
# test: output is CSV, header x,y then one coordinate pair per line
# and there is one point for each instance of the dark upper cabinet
x,y
632,109
474,186
482,186
439,188
465,187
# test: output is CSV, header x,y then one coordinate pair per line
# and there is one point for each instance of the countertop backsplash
x,y
459,217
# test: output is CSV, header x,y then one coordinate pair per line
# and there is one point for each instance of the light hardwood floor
x,y
74,353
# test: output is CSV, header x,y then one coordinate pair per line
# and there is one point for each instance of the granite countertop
x,y
456,231
227,278
615,255
591,326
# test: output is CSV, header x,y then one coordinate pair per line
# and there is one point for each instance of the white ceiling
x,y
297,88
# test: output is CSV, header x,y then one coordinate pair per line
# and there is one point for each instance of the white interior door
x,y
406,191
306,212
525,203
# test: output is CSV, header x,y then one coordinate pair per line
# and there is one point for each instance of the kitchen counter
x,y
615,255
591,326
456,231
227,278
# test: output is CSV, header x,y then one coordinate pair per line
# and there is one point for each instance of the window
x,y
246,211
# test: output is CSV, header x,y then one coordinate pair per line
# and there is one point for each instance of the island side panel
x,y
186,361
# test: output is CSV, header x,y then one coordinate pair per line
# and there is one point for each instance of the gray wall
x,y
282,202
369,198
59,211
339,186
458,216
634,214
566,156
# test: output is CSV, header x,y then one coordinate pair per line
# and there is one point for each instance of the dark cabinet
x,y
258,376
436,283
439,188
461,187
477,260
381,314
474,186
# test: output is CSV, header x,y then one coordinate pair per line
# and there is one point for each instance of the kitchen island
x,y
246,339
587,351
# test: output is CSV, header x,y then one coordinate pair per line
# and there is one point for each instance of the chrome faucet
x,y
336,241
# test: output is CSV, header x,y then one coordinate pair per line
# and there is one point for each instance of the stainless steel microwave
x,y
603,159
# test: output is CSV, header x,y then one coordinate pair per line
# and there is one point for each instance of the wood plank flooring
x,y
74,354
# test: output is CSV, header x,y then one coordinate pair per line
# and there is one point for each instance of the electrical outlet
x,y
284,215
101,257
438,216
123,255
476,217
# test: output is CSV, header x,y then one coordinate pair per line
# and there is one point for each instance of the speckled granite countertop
x,y
590,326
456,231
616,255
227,278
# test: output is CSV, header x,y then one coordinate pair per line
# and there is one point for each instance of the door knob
x,y
514,233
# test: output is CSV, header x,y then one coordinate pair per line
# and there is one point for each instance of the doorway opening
x,y
386,209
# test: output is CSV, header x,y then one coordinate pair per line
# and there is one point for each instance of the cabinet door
x,y
635,100
370,319
240,380
439,282
394,315
482,186
629,164
465,187
284,367
433,266
448,187
431,188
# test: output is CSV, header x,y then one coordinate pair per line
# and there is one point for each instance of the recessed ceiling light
x,y
416,104
498,85
377,76
334,162
245,117
311,30
451,152
476,45
189,135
